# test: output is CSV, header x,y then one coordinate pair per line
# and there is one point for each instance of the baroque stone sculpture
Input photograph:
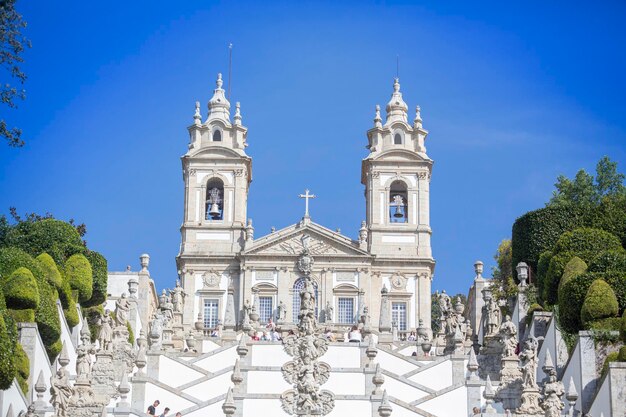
x,y
106,330
122,307
530,390
305,372
60,392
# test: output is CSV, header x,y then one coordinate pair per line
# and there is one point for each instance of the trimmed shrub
x,y
57,238
529,314
54,350
571,297
100,276
22,366
556,267
7,361
622,354
79,274
13,258
610,323
47,316
22,316
587,243
542,269
600,303
611,216
20,290
69,305
617,281
575,266
611,357
610,260
50,270
538,231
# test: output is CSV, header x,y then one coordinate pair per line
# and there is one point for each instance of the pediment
x,y
321,242
215,151
400,155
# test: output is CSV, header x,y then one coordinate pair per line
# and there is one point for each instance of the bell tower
x,y
217,175
396,175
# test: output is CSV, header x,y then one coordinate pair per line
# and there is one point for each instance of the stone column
x,y
617,387
384,321
28,335
424,281
588,375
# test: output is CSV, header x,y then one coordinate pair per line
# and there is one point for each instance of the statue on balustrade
x,y
106,330
60,392
122,307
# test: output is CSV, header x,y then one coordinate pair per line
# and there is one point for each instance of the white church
x,y
308,322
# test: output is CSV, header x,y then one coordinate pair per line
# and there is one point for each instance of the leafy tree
x,y
585,190
12,44
502,273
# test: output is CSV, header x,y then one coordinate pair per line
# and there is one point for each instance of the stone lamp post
x,y
522,273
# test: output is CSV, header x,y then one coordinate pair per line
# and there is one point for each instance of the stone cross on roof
x,y
306,197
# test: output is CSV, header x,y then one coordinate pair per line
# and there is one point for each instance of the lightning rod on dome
x,y
230,65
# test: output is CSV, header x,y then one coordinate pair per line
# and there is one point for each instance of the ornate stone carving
x,y
553,390
60,392
305,372
211,279
83,355
491,313
398,282
507,336
281,311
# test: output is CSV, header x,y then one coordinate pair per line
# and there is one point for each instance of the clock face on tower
x,y
397,282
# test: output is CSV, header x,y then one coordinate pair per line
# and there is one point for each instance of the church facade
x,y
220,256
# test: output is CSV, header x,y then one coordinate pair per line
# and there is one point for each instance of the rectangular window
x,y
398,315
345,310
211,313
266,305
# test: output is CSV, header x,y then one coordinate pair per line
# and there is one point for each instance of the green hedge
x,y
69,305
611,260
22,366
78,273
542,269
537,231
617,281
609,323
571,297
57,238
21,291
587,243
611,357
22,316
622,354
50,270
611,216
575,266
12,258
600,303
7,360
100,276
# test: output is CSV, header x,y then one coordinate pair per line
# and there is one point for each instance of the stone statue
x,y
122,306
445,304
106,330
529,363
329,311
508,337
60,392
493,318
83,360
156,329
281,311
178,295
247,308
553,390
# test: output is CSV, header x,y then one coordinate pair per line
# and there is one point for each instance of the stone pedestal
x,y
510,383
529,404
103,377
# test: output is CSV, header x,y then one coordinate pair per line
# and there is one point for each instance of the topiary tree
x,y
21,291
610,260
571,297
556,267
78,273
22,367
69,305
55,237
100,277
7,360
600,303
574,266
542,269
622,330
50,270
611,357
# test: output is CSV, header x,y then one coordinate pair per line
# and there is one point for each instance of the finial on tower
x,y
417,123
237,116
197,117
219,81
396,108
377,119
219,106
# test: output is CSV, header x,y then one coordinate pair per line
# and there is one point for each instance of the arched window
x,y
297,287
397,139
398,203
217,136
214,208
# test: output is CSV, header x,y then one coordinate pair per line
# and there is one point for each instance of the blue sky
x,y
512,95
